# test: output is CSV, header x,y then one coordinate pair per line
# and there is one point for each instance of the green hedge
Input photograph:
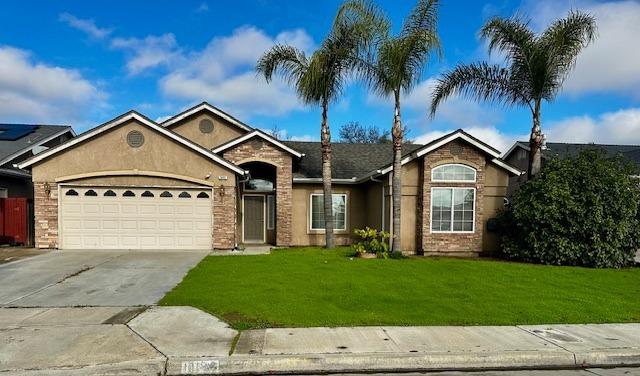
x,y
579,211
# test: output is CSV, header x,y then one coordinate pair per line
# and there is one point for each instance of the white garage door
x,y
135,218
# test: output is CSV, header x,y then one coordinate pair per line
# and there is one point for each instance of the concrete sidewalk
x,y
184,340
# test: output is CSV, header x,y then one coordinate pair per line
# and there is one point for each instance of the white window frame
x,y
475,206
271,210
475,174
346,211
4,192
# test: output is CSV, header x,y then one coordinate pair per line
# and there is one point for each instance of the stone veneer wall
x,y
462,244
256,150
224,218
46,215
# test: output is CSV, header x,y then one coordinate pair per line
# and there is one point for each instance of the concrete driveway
x,y
93,278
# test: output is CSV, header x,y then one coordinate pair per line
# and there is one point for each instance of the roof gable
x,y
131,115
204,106
456,135
259,134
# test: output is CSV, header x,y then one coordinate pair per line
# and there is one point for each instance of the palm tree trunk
x,y
535,144
325,139
396,183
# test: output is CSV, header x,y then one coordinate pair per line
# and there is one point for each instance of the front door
x,y
253,227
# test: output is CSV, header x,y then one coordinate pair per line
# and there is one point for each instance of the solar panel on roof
x,y
12,132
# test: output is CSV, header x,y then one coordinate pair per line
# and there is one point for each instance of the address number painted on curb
x,y
201,366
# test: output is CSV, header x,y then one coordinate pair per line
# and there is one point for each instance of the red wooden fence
x,y
13,220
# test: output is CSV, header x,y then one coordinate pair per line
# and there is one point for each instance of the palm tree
x,y
319,80
393,68
537,65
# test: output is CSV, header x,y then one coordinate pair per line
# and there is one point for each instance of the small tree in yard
x,y
583,211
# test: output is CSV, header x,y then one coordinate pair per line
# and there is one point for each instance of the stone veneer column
x,y
224,217
46,215
284,206
464,244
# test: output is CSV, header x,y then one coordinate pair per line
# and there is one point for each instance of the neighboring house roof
x,y
18,139
348,161
259,134
357,162
131,115
205,106
563,150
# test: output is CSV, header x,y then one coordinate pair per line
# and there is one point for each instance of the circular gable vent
x,y
206,126
135,139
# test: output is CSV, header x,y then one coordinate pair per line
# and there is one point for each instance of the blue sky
x,y
83,63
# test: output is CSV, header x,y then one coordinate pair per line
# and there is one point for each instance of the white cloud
x,y
612,62
224,73
619,127
86,25
202,8
35,91
149,52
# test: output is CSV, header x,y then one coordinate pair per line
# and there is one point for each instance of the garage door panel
x,y
134,222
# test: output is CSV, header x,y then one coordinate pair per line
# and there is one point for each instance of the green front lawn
x,y
314,287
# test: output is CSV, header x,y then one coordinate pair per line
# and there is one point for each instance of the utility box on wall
x,y
13,221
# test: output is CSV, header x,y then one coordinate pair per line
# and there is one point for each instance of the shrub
x,y
371,240
579,211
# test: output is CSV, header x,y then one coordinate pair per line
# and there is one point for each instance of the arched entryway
x,y
258,204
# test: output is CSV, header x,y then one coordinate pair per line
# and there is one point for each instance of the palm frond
x,y
480,81
511,36
565,38
288,61
423,17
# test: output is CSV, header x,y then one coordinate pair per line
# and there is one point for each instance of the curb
x,y
397,362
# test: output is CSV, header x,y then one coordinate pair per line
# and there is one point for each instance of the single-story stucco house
x,y
205,180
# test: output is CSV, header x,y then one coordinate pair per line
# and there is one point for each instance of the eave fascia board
x,y
257,133
333,180
206,106
122,119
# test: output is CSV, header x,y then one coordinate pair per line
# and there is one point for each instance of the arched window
x,y
258,185
91,193
203,195
166,194
71,192
453,173
184,195
110,193
128,194
147,194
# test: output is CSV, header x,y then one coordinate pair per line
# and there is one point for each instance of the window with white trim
x,y
453,173
339,211
271,212
452,209
4,193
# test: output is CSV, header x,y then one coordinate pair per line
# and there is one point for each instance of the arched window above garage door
x,y
71,192
91,193
128,194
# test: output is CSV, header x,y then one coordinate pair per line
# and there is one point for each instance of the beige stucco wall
x,y
223,131
356,214
411,177
496,183
110,152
